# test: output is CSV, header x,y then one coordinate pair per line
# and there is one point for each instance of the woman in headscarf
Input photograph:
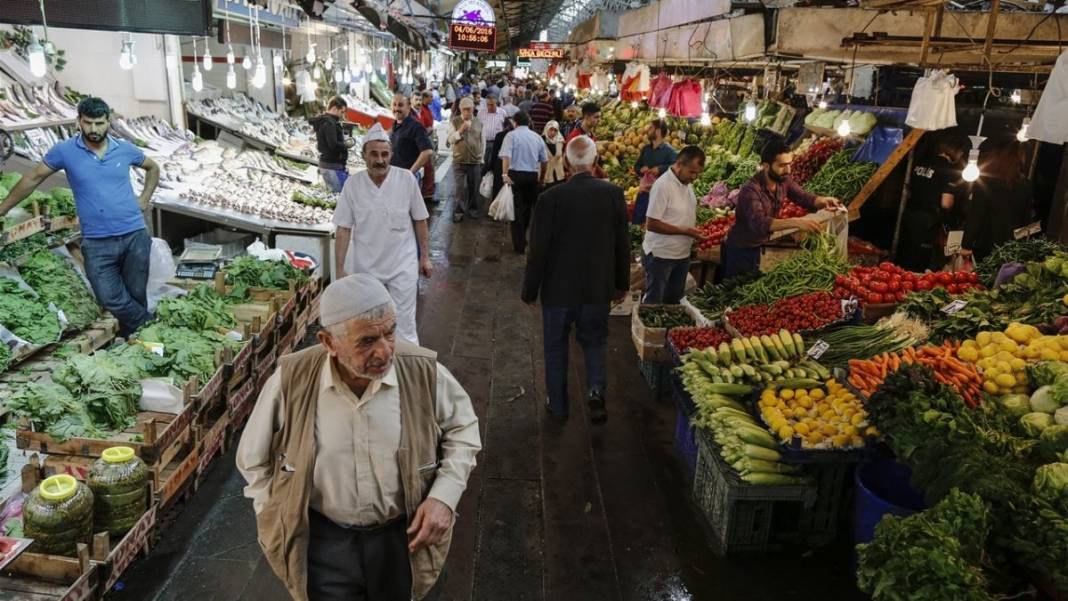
x,y
554,147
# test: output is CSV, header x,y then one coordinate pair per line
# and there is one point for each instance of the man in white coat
x,y
381,224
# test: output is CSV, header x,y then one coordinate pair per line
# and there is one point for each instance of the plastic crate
x,y
818,524
741,516
657,375
685,433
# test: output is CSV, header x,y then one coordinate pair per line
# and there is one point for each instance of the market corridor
x,y
566,512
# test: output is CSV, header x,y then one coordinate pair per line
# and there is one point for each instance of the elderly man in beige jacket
x,y
356,455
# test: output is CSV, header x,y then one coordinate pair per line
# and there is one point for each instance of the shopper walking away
x,y
356,455
467,146
555,171
115,243
495,157
1001,200
579,262
332,144
541,112
657,157
523,160
931,196
670,228
426,119
382,229
492,119
409,141
759,202
527,102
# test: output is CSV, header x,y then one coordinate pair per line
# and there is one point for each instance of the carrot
x,y
895,362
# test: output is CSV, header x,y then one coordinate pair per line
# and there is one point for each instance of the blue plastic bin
x,y
882,489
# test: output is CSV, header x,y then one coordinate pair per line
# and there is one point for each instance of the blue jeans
x,y
591,322
665,280
738,261
641,206
117,268
334,178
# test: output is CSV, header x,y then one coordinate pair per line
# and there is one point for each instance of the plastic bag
x,y
503,208
161,396
660,91
485,188
933,105
686,99
1049,124
879,145
161,268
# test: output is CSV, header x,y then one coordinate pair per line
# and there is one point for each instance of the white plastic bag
x,y
934,105
161,268
503,207
486,187
1049,124
160,395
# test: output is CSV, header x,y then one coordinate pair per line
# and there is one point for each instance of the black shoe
x,y
558,416
457,217
598,414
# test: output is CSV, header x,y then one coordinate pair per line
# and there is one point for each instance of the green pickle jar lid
x,y
117,454
59,487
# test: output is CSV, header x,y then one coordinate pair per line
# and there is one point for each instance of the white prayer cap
x,y
351,296
376,134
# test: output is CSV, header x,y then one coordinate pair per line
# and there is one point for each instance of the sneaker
x,y
598,414
457,217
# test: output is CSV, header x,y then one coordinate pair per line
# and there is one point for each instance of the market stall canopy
x,y
1020,43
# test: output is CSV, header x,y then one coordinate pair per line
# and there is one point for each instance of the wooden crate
x,y
646,335
237,402
287,340
651,353
37,577
96,336
23,230
54,224
212,442
176,479
239,367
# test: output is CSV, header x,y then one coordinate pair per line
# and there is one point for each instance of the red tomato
x,y
953,289
874,298
945,277
908,285
879,287
923,284
900,296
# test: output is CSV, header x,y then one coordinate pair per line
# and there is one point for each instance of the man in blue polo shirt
x,y
115,242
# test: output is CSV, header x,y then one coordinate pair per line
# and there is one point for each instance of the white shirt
x,y
492,123
356,480
382,242
674,203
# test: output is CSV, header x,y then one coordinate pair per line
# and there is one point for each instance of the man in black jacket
x,y
332,144
579,262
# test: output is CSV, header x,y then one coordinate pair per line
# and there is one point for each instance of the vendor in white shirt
x,y
380,218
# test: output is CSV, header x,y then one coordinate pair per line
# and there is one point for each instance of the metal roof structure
x,y
573,12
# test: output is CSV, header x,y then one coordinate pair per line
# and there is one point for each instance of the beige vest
x,y
283,521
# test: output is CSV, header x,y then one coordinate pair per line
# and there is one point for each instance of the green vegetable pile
x,y
950,446
931,556
186,352
5,357
840,177
812,270
666,316
744,171
55,281
1014,251
712,299
11,253
25,315
201,309
315,197
52,409
107,387
247,271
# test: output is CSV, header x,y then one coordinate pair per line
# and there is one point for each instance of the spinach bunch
x,y
52,409
187,352
25,315
5,357
107,387
21,248
55,281
201,309
247,271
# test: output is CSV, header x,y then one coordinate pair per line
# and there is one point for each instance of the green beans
x,y
811,270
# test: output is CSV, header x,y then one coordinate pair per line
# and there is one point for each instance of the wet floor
x,y
563,512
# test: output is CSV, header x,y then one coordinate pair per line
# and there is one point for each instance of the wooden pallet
x,y
96,336
62,223
37,577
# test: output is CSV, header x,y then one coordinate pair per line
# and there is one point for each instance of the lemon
x,y
839,441
802,429
817,393
1017,363
989,350
990,387
871,431
968,353
1050,355
786,394
983,338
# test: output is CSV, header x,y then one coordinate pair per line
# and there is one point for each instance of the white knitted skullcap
x,y
351,296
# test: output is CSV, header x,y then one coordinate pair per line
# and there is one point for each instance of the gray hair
x,y
582,151
380,312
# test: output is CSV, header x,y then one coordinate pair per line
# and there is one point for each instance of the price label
x,y
953,242
1027,230
849,305
954,306
154,347
816,350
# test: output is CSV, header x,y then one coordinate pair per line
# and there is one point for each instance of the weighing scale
x,y
199,262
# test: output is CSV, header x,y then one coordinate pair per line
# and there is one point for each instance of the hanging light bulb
x,y
1022,134
339,75
231,78
329,62
198,80
208,61
246,63
259,77
230,60
317,73
661,113
971,170
844,128
634,104
127,59
310,56
750,111
1016,97
822,104
706,120
35,54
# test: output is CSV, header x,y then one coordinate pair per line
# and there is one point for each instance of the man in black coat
x,y
578,262
332,144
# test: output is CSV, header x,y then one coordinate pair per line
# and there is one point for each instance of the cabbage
x,y
861,122
1055,439
843,116
1045,373
1061,416
1042,400
1051,484
826,120
1034,423
813,116
1016,405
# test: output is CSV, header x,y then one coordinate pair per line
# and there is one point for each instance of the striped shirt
x,y
540,114
492,123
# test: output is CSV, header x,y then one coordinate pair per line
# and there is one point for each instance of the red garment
x,y
584,81
425,117
628,92
660,91
686,99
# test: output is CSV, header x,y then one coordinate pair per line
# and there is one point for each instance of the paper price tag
x,y
816,350
1027,230
954,306
953,242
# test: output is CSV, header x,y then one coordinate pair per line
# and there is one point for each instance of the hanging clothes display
x,y
660,91
635,82
686,99
1049,123
934,102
